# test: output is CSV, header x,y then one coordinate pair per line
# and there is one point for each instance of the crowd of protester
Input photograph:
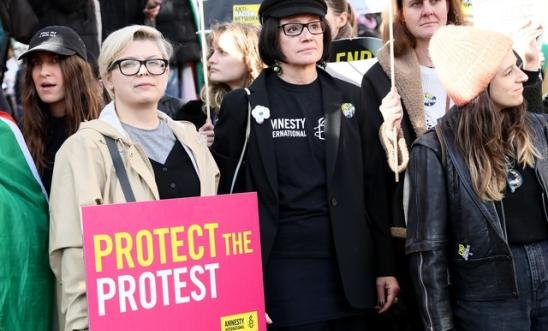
x,y
414,204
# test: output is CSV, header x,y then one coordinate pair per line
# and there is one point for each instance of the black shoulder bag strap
x,y
120,169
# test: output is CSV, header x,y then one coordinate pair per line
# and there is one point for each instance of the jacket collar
x,y
109,115
331,101
263,132
114,129
487,208
408,83
539,126
455,158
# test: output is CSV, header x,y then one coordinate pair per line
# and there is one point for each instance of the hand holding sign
x,y
391,138
207,132
392,113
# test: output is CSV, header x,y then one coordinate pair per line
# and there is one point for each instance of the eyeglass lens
x,y
131,67
295,29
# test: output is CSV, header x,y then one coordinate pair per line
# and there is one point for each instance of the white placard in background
x,y
508,15
362,7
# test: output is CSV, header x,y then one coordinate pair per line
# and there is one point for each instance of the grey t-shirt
x,y
157,143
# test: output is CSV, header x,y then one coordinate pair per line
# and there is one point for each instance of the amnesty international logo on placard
x,y
248,14
240,322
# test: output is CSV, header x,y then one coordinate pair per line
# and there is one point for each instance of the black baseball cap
x,y
286,8
56,39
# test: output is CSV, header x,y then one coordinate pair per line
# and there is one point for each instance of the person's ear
x,y
107,82
342,19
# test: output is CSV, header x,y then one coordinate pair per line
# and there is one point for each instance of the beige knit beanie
x,y
466,59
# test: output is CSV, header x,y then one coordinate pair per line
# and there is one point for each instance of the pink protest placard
x,y
180,264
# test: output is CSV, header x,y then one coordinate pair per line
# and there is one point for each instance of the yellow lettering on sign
x,y
101,250
152,245
353,56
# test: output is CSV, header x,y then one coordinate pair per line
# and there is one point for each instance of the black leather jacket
x,y
455,241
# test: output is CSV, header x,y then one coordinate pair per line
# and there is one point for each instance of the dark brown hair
x,y
82,102
403,39
487,137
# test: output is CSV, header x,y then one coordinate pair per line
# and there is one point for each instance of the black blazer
x,y
361,236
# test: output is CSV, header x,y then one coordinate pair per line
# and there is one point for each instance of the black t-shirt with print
x,y
526,221
302,279
297,121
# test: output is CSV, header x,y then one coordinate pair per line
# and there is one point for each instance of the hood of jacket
x,y
109,124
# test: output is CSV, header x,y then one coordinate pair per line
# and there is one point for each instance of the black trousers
x,y
353,323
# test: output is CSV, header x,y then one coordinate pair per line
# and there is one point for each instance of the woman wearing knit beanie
x,y
477,222
418,102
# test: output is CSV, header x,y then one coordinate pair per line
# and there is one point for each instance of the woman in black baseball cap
x,y
59,92
326,251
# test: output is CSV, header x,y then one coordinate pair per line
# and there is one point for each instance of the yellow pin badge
x,y
348,109
464,251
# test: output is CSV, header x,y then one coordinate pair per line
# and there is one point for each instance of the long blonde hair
x,y
246,39
487,137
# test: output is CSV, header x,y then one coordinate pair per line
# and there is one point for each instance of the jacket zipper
x,y
543,184
431,327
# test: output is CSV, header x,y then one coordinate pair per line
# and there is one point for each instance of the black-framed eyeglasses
x,y
295,29
130,67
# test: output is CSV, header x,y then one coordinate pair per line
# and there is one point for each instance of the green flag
x,y
26,282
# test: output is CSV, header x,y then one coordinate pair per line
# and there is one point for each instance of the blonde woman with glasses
x,y
162,158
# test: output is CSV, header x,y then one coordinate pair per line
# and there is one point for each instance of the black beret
x,y
286,8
